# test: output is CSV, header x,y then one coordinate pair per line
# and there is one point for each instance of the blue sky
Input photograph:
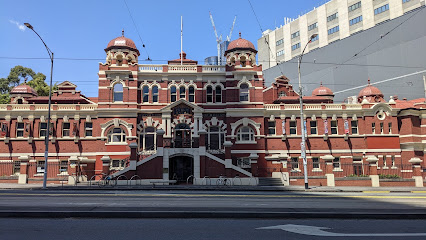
x,y
82,29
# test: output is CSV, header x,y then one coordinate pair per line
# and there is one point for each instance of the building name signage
x,y
120,42
182,110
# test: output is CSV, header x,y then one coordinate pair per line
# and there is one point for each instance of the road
x,y
210,229
211,204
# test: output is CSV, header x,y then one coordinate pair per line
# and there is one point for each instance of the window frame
x,y
145,94
336,163
88,128
111,134
313,127
182,92
20,130
220,136
272,128
293,127
118,94
173,94
154,94
335,128
333,16
143,142
191,94
244,93
294,163
218,94
209,94
241,135
66,130
316,164
354,127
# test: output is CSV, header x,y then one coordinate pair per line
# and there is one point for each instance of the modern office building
x,y
335,20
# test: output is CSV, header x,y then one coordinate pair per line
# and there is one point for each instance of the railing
x,y
87,107
151,68
213,68
312,106
333,106
292,106
182,68
272,106
21,107
353,106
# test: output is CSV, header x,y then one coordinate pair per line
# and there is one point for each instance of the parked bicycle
x,y
107,181
222,181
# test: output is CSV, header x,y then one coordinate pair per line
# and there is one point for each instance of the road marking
x,y
318,231
204,195
418,191
376,191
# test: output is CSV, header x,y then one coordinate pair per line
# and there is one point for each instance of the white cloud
x,y
20,26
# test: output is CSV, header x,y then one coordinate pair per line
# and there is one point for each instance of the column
x,y
133,155
72,169
417,174
23,174
106,161
372,161
328,159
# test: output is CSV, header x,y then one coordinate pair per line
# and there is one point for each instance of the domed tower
x,y
20,94
122,51
241,52
371,94
322,91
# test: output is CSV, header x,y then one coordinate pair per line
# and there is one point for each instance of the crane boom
x,y
232,28
214,28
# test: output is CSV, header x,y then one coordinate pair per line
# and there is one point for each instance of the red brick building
x,y
161,123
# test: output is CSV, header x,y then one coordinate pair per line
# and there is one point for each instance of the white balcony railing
x,y
151,68
272,106
213,69
182,68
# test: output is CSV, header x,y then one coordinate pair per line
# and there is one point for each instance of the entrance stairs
x,y
268,181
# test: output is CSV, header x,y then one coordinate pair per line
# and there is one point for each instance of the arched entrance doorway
x,y
180,168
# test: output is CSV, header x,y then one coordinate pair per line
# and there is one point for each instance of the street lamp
x,y
302,119
46,153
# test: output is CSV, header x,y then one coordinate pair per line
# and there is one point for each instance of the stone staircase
x,y
267,181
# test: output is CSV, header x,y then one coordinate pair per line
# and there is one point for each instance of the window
x,y
294,163
118,92
20,129
148,139
182,93
279,42
118,164
393,160
145,94
390,128
333,126
191,92
333,30
332,17
282,94
295,46
293,128
40,167
315,38
209,93
373,128
314,128
43,129
271,127
173,94
312,26
66,129
244,162
245,134
155,94
295,35
315,163
381,128
355,20
354,6
218,94
381,9
244,92
88,127
215,138
404,1
63,167
16,167
279,53
354,126
384,161
116,135
336,163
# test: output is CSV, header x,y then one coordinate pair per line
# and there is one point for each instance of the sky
x,y
78,31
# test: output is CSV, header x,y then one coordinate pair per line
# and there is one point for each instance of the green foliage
x,y
19,74
389,176
361,175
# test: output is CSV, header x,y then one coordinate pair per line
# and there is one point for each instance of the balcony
x,y
153,68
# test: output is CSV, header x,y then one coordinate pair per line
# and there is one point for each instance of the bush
x,y
389,176
354,175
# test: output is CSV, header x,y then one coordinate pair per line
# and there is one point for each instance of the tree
x,y
16,75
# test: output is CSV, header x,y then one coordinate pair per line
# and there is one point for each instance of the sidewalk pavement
x,y
216,188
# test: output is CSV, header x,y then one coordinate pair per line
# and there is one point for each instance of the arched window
x,y
116,135
118,92
148,139
182,93
245,134
155,94
173,94
215,138
218,94
191,92
209,94
244,92
145,94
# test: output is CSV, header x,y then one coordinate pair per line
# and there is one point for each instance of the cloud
x,y
20,26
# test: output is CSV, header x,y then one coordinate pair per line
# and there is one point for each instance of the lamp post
x,y
302,119
46,153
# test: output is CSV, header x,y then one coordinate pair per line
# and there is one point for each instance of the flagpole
x,y
181,39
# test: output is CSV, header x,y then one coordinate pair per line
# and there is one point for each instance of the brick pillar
x,y
133,155
106,161
328,159
160,137
372,164
202,141
72,170
23,174
417,174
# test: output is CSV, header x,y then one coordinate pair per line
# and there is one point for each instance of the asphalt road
x,y
211,204
209,229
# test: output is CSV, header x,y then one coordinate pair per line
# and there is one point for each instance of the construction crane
x,y
219,38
